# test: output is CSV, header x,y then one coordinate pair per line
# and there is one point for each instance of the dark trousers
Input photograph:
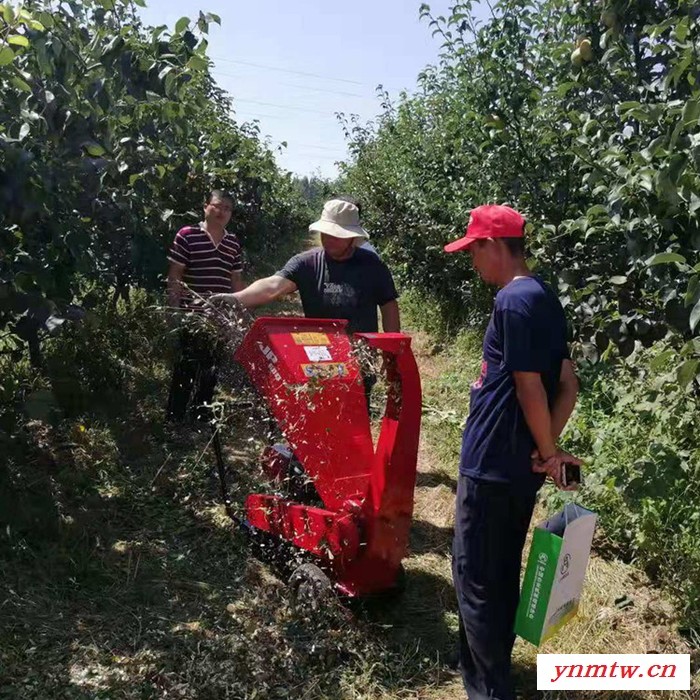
x,y
491,524
194,377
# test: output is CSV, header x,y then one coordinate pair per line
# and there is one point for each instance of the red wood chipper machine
x,y
356,527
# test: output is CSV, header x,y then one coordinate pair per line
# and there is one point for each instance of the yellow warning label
x,y
311,339
325,370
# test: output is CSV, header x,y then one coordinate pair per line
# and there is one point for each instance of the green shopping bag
x,y
556,568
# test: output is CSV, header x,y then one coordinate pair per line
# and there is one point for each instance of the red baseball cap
x,y
489,221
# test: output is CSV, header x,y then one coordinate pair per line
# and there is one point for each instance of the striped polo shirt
x,y
208,267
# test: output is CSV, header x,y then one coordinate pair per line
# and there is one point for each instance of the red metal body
x,y
307,372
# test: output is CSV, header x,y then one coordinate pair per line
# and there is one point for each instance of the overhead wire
x,y
286,70
276,104
335,159
290,142
322,148
327,91
339,154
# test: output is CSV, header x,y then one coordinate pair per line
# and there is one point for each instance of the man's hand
x,y
391,319
553,466
219,299
176,284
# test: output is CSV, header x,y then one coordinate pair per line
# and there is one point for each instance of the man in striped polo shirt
x,y
204,259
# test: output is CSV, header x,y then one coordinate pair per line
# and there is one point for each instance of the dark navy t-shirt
x,y
526,333
350,289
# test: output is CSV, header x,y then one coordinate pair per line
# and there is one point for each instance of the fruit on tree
x,y
586,49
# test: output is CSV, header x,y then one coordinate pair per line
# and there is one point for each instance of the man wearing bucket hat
x,y
365,245
336,280
519,406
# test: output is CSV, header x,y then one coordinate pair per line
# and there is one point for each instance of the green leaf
x,y
94,149
46,18
7,55
692,294
695,316
666,187
20,84
197,63
661,359
692,347
8,13
676,167
182,24
140,3
691,112
682,29
564,88
18,40
627,106
687,372
37,25
646,179
661,258
640,115
596,210
618,279
24,131
169,84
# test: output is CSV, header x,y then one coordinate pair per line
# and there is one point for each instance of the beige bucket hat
x,y
340,219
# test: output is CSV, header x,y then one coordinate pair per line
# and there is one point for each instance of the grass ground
x,y
121,576
646,625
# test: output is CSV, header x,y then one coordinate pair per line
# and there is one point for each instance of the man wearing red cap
x,y
519,406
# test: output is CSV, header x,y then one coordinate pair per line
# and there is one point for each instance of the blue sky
x,y
292,64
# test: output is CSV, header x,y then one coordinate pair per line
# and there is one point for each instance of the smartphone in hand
x,y
570,474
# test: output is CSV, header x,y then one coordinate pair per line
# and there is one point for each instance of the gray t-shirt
x,y
351,289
